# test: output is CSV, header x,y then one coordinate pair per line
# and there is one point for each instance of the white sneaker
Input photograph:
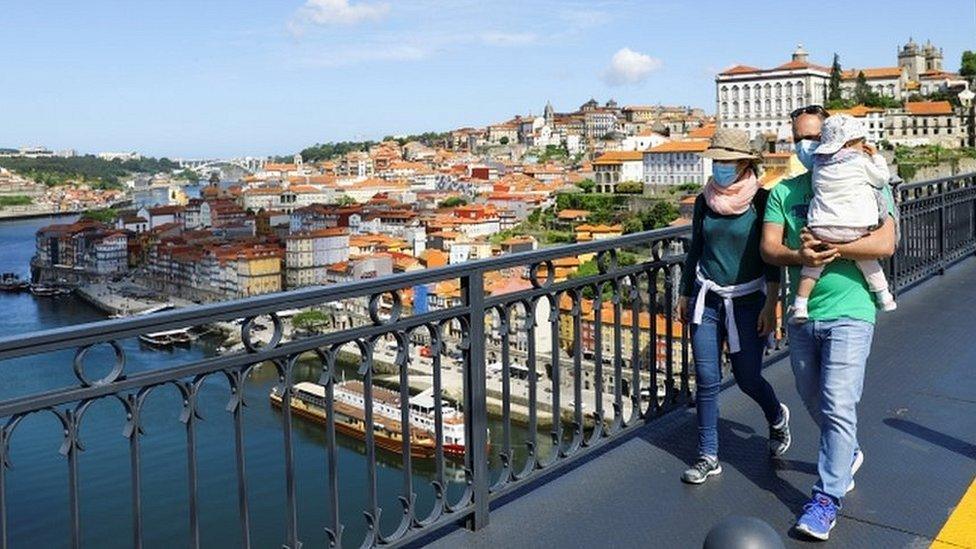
x,y
886,301
858,461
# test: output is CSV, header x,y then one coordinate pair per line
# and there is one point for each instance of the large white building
x,y
677,163
760,100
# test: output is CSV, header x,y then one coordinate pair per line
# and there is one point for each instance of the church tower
x,y
911,57
549,115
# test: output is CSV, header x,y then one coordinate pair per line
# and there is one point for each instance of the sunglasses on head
x,y
809,109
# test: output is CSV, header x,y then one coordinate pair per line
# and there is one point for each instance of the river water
x,y
37,483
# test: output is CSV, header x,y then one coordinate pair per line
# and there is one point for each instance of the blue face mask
x,y
724,174
804,152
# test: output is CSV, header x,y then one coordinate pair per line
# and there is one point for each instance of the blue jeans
x,y
707,340
828,358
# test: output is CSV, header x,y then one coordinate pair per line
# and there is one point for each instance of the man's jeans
x,y
706,341
828,358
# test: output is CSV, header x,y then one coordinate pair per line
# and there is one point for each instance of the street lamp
x,y
966,99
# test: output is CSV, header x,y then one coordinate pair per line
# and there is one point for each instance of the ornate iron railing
x,y
557,366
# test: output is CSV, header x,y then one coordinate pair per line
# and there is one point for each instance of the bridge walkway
x,y
917,426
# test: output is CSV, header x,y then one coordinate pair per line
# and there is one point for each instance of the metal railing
x,y
566,326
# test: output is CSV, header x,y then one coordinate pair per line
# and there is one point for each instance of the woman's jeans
x,y
707,342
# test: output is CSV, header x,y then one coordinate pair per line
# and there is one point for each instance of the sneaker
x,y
779,434
705,467
818,518
855,465
886,301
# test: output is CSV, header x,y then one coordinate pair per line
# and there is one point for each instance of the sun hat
x,y
730,144
837,130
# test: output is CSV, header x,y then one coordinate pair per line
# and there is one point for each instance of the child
x,y
848,175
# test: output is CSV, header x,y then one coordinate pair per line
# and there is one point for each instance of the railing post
x,y
943,235
475,405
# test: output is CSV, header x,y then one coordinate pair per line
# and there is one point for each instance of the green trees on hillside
x,y
89,169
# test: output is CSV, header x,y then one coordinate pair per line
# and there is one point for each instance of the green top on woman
x,y
726,247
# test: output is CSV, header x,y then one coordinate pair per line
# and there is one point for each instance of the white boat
x,y
167,338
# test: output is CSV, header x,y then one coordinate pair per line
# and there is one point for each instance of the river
x,y
37,494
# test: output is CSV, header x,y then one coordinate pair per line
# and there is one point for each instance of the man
x,y
828,353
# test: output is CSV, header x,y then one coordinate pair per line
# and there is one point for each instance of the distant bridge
x,y
204,166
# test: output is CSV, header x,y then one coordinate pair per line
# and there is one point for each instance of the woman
x,y
732,295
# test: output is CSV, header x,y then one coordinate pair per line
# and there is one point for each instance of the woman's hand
x,y
767,318
682,309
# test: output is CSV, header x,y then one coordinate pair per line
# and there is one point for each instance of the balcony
x,y
104,442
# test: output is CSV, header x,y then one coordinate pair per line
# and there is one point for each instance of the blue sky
x,y
227,78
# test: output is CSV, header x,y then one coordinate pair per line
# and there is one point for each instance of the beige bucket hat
x,y
730,144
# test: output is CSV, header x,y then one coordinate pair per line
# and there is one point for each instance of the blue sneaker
x,y
819,517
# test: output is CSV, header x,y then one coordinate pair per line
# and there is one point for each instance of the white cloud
x,y
335,12
508,38
629,67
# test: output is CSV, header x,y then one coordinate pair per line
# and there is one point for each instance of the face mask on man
x,y
724,174
804,152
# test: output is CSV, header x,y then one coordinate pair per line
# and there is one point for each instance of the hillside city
x,y
345,212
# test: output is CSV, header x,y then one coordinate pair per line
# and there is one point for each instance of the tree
x,y
862,91
452,202
188,175
629,187
661,214
107,215
346,200
309,320
633,225
834,93
968,66
504,140
587,185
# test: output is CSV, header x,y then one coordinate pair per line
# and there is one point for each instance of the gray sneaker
x,y
779,434
705,467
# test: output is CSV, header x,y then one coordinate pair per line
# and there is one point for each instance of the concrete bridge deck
x,y
917,426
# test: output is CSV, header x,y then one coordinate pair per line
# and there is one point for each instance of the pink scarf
x,y
734,199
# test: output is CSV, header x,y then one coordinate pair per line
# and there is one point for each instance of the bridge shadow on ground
x,y
917,427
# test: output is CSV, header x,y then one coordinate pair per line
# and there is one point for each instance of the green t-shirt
x,y
841,291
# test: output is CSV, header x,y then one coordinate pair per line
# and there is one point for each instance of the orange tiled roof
x,y
704,132
857,110
616,157
928,108
683,145
740,69
872,73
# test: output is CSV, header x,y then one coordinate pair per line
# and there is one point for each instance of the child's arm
x,y
877,170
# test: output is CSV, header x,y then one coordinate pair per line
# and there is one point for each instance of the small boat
x,y
11,282
167,338
43,290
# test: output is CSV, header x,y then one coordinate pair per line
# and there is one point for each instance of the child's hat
x,y
837,130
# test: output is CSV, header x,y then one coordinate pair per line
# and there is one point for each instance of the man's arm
x,y
775,252
879,244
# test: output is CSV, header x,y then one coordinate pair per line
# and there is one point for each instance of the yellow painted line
x,y
960,529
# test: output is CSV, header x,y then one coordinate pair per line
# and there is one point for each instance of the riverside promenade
x,y
917,426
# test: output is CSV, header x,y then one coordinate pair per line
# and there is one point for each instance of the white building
x,y
886,81
642,141
760,100
616,167
676,163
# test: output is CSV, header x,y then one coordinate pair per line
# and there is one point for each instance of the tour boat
x,y
11,282
43,290
308,401
167,338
